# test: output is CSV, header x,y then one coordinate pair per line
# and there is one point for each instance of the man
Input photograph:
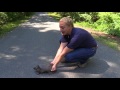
x,y
76,44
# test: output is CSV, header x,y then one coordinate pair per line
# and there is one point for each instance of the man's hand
x,y
54,68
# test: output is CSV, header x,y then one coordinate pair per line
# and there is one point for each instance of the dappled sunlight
x,y
50,26
6,56
53,25
48,58
43,26
93,75
43,57
44,30
71,72
47,29
15,48
112,64
36,26
84,75
119,48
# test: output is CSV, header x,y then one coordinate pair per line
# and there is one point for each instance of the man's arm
x,y
62,46
62,54
60,57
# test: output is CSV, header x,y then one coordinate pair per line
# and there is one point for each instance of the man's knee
x,y
63,60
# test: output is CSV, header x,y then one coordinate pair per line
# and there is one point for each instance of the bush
x,y
17,15
85,17
109,23
3,18
74,15
13,15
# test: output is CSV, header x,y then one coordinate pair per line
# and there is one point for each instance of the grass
x,y
108,41
11,25
101,37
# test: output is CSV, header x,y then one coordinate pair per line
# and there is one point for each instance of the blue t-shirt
x,y
79,38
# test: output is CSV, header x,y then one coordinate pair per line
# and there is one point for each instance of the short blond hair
x,y
68,21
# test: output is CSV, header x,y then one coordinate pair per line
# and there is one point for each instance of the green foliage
x,y
73,15
109,23
85,17
81,16
12,16
94,16
3,18
12,20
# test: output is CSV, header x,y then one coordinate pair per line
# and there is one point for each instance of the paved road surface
x,y
35,43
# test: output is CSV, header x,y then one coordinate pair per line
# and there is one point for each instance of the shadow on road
x,y
95,66
27,46
36,42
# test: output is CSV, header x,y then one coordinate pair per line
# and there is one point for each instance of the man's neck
x,y
70,31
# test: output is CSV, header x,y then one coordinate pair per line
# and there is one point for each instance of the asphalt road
x,y
35,43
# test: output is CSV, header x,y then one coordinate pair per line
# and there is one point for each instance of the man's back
x,y
79,38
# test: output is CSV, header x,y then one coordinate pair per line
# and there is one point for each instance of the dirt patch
x,y
102,34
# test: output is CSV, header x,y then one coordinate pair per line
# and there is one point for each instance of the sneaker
x,y
84,64
81,65
63,61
